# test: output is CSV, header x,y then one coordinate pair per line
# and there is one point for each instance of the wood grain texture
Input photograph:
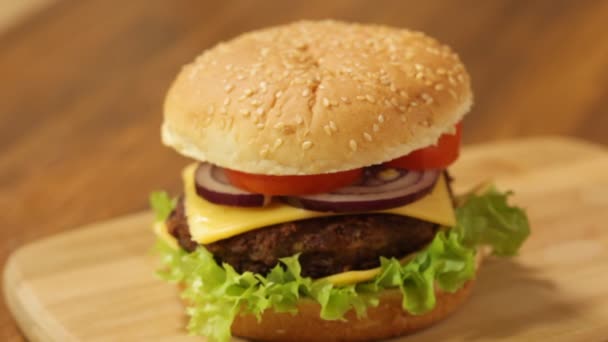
x,y
98,284
83,83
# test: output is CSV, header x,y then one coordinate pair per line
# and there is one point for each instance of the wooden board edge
x,y
23,305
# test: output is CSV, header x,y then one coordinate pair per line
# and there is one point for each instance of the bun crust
x,y
384,321
315,97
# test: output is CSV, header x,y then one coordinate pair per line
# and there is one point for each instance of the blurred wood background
x,y
82,83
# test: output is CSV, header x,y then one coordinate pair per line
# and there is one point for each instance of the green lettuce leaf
x,y
161,204
488,219
217,293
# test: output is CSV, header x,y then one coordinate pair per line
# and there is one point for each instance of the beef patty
x,y
327,245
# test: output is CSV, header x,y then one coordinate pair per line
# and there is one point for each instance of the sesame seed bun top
x,y
315,97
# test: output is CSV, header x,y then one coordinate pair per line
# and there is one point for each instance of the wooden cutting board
x,y
97,283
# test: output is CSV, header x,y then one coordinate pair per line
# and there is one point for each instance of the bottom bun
x,y
384,321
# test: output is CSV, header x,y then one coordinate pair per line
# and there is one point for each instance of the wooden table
x,y
82,83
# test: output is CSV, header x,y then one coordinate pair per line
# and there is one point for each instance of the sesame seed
x,y
244,112
367,137
413,103
248,91
306,145
278,94
345,99
305,92
210,110
352,144
256,102
427,98
327,130
402,109
403,118
452,80
394,101
370,98
226,101
325,102
260,125
461,78
279,125
228,87
418,67
228,67
263,152
240,77
223,110
441,71
333,126
439,86
263,85
278,143
360,97
393,88
375,127
299,120
260,111
419,76
380,118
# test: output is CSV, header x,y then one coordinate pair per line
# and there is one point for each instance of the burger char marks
x,y
327,245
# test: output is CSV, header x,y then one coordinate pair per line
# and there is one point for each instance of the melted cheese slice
x,y
355,277
210,222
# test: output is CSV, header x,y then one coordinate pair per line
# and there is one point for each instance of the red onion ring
x,y
374,192
212,184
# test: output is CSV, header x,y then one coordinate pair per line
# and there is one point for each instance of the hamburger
x,y
319,205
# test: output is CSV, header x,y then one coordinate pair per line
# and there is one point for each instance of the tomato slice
x,y
439,156
292,185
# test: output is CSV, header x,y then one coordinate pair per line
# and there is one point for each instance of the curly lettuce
x,y
217,293
162,205
488,219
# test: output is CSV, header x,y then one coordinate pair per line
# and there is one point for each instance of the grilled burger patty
x,y
327,245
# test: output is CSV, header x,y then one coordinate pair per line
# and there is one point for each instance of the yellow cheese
x,y
355,277
210,222
160,229
352,277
